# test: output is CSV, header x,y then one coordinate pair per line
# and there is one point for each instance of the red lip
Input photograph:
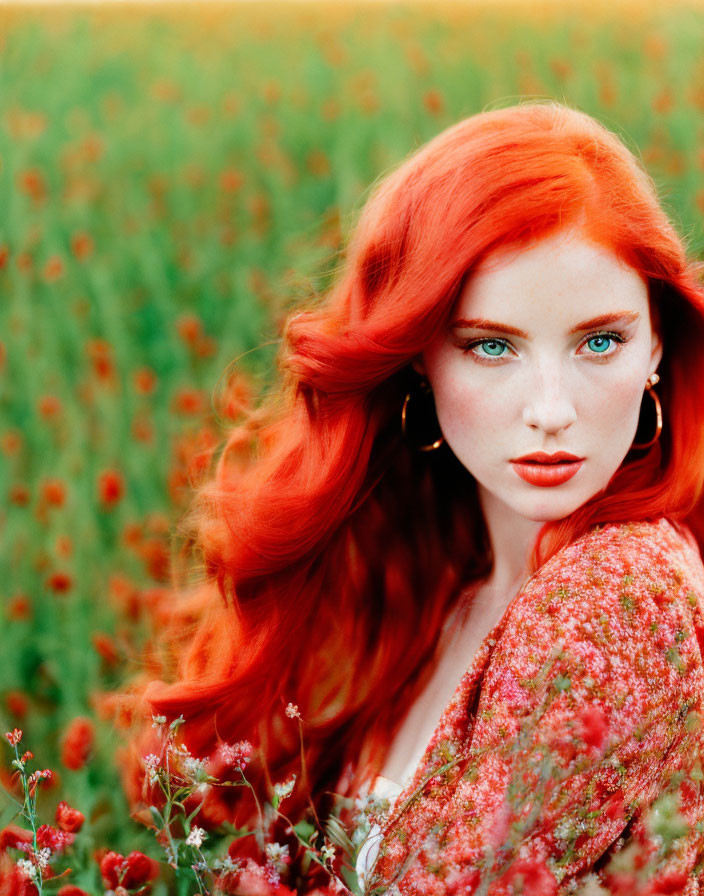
x,y
540,457
543,474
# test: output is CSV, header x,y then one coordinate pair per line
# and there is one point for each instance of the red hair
x,y
332,550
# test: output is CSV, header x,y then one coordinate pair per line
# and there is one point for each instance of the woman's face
x,y
524,366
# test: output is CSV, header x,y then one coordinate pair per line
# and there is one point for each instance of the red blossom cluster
x,y
252,879
50,842
77,743
111,488
190,330
132,872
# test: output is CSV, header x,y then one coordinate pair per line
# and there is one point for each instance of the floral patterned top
x,y
570,757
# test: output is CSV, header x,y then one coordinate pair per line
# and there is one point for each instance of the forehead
x,y
563,274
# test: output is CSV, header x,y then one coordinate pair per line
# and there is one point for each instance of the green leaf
x,y
349,875
563,683
305,830
338,835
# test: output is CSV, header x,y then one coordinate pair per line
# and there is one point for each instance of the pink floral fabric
x,y
571,753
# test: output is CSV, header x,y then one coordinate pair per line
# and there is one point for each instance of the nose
x,y
549,404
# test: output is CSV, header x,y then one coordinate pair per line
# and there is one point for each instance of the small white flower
x,y
179,751
277,853
285,788
226,865
27,868
158,721
151,765
195,769
292,711
328,853
196,837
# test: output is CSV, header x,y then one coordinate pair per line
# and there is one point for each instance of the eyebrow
x,y
481,323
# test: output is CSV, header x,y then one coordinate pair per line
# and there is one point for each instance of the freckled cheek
x,y
464,407
619,400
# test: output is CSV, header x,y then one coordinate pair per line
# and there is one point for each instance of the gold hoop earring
x,y
652,380
426,390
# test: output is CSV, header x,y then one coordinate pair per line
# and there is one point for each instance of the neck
x,y
512,538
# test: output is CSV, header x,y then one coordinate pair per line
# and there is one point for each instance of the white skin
x,y
549,391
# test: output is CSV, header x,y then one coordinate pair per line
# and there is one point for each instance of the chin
x,y
546,509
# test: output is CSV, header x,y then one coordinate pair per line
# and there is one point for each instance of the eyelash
x,y
467,346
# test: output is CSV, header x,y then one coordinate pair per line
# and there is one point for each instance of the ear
x,y
418,366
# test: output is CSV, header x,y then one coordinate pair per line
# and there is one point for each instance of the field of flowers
x,y
172,182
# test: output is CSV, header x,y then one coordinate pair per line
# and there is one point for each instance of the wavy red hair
x,y
332,550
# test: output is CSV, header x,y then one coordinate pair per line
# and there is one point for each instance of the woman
x,y
510,648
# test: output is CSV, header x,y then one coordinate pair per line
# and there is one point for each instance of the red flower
x,y
254,880
68,818
49,407
54,492
71,890
190,329
129,872
19,607
81,245
11,442
111,487
59,582
32,183
156,557
230,180
593,725
53,838
189,401
615,808
14,736
534,877
64,546
144,380
19,494
671,882
14,837
17,703
53,269
463,883
77,743
100,353
14,882
206,347
434,101
105,647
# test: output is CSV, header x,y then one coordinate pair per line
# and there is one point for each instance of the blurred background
x,y
173,180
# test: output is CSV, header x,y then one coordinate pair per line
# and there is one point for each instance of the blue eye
x,y
494,349
601,338
490,345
